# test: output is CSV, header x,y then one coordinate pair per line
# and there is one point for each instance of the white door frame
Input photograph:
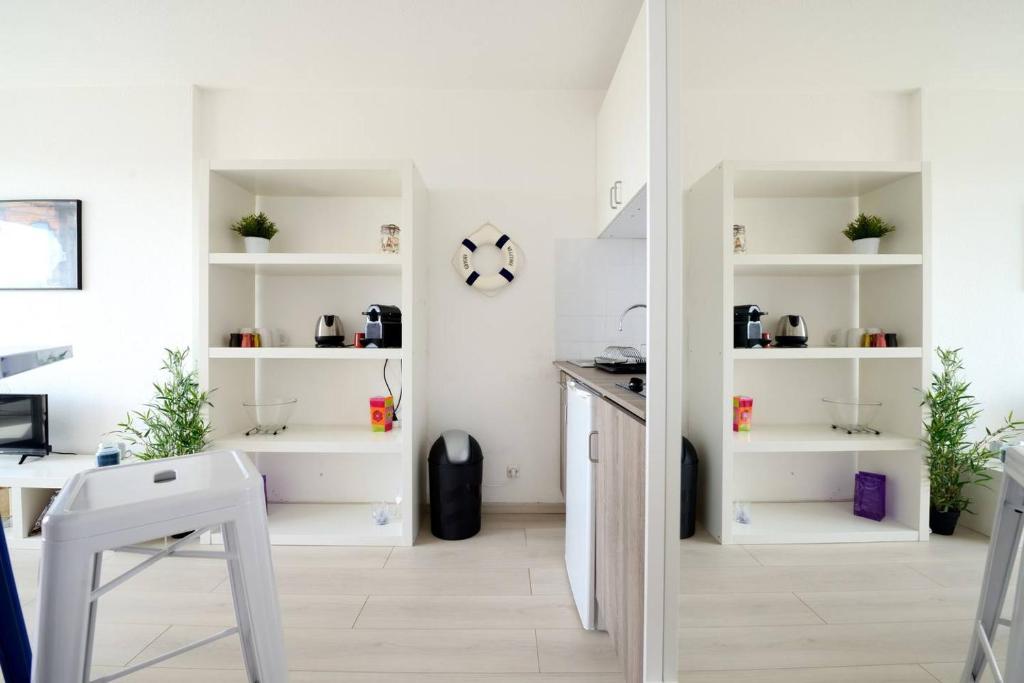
x,y
664,340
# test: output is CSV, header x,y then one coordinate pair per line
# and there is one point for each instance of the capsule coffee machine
x,y
383,327
747,327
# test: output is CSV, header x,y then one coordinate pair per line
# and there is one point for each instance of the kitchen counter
x,y
603,383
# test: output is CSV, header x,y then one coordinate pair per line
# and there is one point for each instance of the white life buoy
x,y
463,261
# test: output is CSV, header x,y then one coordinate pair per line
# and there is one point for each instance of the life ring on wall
x,y
488,284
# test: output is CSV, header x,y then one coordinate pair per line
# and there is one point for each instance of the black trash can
x,y
688,491
456,467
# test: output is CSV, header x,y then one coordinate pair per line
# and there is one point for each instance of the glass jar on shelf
x,y
389,238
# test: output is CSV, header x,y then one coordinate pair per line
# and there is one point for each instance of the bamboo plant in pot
x,y
866,233
174,422
953,459
257,230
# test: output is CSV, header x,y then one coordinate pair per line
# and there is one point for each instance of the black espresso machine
x,y
383,327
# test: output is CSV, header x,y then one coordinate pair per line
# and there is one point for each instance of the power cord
x,y
400,389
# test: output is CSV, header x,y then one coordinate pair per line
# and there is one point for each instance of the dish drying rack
x,y
621,359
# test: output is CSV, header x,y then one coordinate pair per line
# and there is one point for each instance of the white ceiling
x,y
343,44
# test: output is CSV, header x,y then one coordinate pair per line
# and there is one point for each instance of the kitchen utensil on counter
x,y
271,416
791,331
852,417
747,327
329,331
637,385
383,327
621,359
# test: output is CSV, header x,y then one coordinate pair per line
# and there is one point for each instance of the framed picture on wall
x,y
41,244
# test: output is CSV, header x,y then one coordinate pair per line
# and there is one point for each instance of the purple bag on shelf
x,y
869,496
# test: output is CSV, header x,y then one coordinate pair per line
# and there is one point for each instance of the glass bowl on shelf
x,y
852,416
270,416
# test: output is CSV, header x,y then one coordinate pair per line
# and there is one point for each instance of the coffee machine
x,y
383,327
746,326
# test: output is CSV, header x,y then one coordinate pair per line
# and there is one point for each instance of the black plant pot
x,y
943,523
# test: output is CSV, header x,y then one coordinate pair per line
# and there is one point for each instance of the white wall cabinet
x,y
622,130
792,470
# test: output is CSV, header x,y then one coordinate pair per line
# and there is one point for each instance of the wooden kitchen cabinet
x,y
622,130
621,454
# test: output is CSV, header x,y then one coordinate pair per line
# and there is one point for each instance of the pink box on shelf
x,y
742,411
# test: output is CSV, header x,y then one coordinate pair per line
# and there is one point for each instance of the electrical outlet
x,y
512,471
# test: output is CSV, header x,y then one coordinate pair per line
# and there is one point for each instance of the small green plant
x,y
865,226
954,461
255,225
173,423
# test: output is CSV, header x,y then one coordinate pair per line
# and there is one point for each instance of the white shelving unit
x,y
328,467
793,471
31,486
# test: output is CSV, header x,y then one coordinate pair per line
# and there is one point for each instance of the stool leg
x,y
243,616
64,612
255,593
1015,646
97,565
1002,551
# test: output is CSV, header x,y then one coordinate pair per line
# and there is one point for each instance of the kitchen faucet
x,y
623,316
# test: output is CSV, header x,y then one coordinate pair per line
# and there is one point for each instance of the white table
x,y
31,487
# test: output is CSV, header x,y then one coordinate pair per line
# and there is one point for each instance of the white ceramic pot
x,y
866,245
261,245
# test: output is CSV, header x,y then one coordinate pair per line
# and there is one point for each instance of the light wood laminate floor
x,y
496,609
492,609
864,613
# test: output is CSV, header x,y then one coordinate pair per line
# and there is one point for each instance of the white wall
x,y
788,125
126,153
975,142
596,281
521,160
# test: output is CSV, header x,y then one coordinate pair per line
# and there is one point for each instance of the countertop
x,y
603,383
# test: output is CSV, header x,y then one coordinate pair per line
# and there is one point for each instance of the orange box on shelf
x,y
382,413
742,409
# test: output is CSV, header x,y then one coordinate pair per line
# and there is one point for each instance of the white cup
x,y
854,336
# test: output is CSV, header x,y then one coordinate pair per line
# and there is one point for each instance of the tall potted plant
x,y
174,421
257,230
866,233
953,459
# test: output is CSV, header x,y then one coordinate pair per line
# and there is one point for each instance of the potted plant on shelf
x,y
866,233
257,230
954,461
173,423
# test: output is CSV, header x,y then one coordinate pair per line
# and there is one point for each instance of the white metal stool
x,y
1002,556
117,507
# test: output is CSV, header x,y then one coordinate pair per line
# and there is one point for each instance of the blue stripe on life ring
x,y
468,244
501,241
506,274
472,278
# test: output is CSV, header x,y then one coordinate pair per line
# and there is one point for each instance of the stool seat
x,y
116,499
121,507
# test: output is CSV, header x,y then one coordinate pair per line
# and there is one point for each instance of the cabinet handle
x,y
590,448
616,187
611,197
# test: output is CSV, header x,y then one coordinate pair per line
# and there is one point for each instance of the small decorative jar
x,y
739,239
389,238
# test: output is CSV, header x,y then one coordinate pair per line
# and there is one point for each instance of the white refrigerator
x,y
580,513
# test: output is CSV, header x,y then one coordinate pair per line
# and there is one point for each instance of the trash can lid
x,y
456,445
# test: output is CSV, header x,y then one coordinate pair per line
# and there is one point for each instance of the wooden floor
x,y
865,613
496,609
491,609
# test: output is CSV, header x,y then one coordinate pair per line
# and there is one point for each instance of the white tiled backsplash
x,y
596,281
